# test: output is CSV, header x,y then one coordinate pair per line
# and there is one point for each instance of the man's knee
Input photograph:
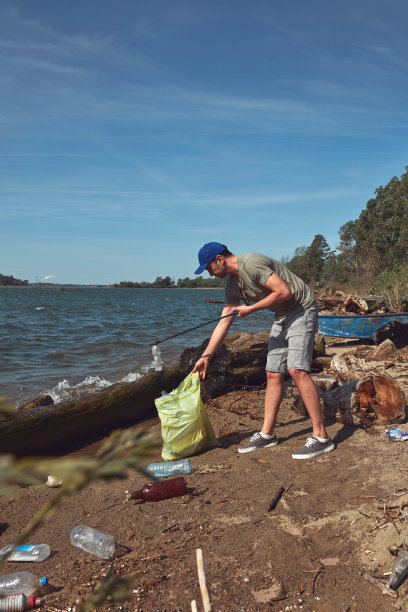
x,y
273,377
298,375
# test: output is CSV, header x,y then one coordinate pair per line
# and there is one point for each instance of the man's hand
x,y
243,311
201,366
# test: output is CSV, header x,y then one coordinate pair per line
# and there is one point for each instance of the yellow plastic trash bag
x,y
185,426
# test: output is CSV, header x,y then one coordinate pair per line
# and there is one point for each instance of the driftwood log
x,y
372,400
386,351
51,429
348,367
355,365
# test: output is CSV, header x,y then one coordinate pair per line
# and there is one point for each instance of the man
x,y
268,284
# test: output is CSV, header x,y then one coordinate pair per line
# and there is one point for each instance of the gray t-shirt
x,y
254,270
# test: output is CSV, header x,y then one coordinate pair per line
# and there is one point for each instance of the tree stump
x,y
372,400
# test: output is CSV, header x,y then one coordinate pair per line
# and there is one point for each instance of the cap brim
x,y
201,269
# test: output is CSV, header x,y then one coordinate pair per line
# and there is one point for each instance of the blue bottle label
x,y
25,547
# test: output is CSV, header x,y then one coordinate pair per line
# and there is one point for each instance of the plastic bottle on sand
x,y
164,489
399,569
15,603
21,582
157,358
168,468
93,541
27,552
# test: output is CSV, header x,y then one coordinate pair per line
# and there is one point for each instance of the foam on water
x,y
64,391
131,377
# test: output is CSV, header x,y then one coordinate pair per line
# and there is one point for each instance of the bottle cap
x,y
33,601
44,580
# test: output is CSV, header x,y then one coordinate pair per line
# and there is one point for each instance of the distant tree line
x,y
6,281
373,249
168,283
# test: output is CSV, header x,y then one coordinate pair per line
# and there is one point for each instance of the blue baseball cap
x,y
207,253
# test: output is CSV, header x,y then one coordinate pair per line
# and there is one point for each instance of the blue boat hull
x,y
356,326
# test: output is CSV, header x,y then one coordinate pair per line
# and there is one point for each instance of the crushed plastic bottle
x,y
164,489
169,468
15,603
93,541
399,570
27,552
397,435
157,358
21,582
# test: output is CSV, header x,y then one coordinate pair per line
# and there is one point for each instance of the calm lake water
x,y
66,343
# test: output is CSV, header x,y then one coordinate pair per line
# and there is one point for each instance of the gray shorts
x,y
291,342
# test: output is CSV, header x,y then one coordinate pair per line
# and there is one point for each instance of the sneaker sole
x,y
315,454
252,448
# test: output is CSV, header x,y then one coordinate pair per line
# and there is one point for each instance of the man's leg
x,y
276,360
310,397
273,398
300,335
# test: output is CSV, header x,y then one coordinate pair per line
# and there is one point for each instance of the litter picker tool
x,y
192,328
156,352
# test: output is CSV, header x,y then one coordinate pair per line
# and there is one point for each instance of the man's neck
x,y
232,266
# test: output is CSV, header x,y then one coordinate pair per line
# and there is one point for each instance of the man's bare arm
x,y
218,335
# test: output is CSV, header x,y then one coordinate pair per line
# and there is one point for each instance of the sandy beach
x,y
333,523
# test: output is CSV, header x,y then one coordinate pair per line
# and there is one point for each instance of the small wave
x,y
131,377
64,391
40,307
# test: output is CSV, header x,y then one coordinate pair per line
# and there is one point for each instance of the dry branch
x,y
201,580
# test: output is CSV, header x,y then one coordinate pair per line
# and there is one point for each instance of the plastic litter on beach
x,y
27,552
397,434
53,481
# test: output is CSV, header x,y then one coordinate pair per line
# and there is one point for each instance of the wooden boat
x,y
357,326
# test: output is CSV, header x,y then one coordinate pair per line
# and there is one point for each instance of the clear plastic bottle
x,y
164,489
93,541
21,582
399,570
168,468
157,358
27,552
15,603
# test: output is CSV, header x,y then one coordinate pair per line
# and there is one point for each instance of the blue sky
x,y
132,132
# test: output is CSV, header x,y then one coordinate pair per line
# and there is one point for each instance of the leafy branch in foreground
x,y
113,588
121,451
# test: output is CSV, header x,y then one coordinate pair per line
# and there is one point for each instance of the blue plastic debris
x,y
397,434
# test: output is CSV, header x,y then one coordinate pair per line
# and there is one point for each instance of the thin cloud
x,y
47,66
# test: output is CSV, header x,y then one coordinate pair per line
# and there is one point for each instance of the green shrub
x,y
392,284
